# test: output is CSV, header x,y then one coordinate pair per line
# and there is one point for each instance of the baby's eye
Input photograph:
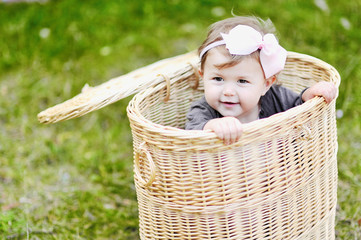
x,y
218,79
242,81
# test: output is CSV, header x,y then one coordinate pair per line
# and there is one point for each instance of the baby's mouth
x,y
226,103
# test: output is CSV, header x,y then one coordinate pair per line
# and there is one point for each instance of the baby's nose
x,y
228,90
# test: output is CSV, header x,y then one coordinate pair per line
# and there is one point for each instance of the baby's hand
x,y
323,89
229,129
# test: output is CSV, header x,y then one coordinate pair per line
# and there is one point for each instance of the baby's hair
x,y
224,26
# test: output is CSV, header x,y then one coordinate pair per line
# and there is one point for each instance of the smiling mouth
x,y
229,103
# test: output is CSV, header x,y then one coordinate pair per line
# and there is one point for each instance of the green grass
x,y
74,180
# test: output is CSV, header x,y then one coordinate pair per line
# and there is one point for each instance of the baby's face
x,y
234,91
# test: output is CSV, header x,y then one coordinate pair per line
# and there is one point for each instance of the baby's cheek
x,y
249,99
211,96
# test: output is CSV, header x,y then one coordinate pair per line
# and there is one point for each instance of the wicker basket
x,y
278,182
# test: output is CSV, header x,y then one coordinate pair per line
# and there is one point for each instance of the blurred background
x,y
74,179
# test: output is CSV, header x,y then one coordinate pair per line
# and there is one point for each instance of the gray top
x,y
277,99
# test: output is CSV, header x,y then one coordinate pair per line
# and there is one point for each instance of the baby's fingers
x,y
237,131
229,129
325,89
331,93
234,131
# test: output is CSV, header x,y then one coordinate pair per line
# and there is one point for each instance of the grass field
x,y
74,180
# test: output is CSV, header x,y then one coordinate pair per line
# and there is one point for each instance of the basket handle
x,y
167,80
196,74
143,150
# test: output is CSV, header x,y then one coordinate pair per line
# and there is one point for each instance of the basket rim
x,y
248,128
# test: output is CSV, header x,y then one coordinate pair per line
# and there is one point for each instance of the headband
x,y
244,40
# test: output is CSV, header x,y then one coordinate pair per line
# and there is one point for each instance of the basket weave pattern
x,y
278,181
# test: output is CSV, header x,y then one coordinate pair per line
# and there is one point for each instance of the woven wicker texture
x,y
278,181
94,98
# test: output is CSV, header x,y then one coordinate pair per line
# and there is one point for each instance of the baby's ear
x,y
268,83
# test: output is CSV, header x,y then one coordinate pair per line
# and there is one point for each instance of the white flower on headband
x,y
244,40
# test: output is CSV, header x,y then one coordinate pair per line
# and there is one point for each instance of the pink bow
x,y
244,40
